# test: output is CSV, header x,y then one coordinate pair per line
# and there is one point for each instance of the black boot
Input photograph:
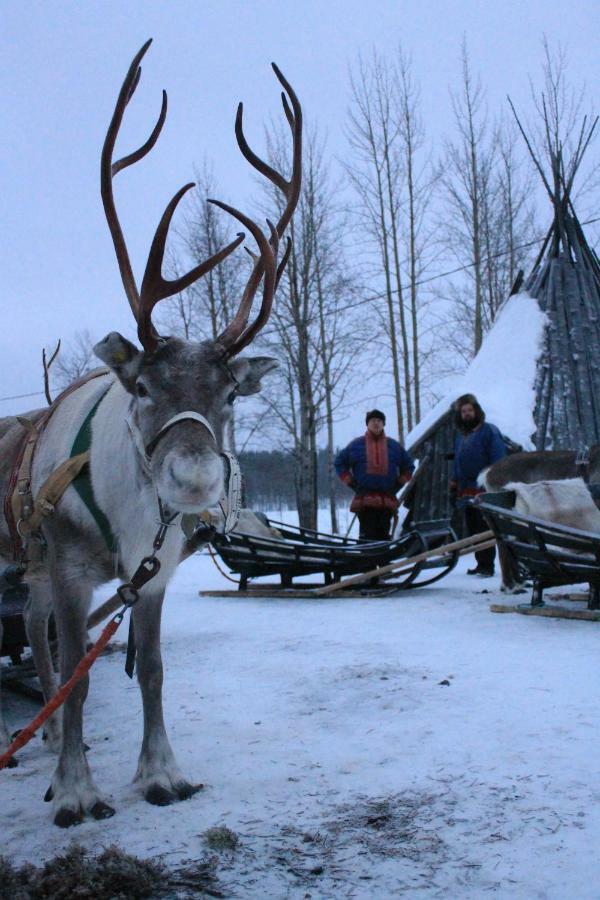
x,y
482,571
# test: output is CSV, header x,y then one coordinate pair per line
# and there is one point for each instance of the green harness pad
x,y
83,482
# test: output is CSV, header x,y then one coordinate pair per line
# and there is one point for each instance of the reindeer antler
x,y
238,334
46,363
154,286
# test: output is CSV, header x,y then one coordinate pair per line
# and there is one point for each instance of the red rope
x,y
81,669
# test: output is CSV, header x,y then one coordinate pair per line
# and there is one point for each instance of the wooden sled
x,y
295,553
551,555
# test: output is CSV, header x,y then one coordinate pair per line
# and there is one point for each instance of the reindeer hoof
x,y
12,763
160,796
101,810
65,818
186,790
49,795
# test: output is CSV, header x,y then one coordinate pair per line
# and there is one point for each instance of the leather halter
x,y
146,450
233,479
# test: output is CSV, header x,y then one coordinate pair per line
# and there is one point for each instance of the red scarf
x,y
377,454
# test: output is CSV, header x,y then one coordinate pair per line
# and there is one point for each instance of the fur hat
x,y
458,405
375,414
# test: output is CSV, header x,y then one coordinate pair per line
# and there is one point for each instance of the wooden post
x,y
408,563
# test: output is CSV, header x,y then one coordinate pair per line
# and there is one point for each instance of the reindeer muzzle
x,y
232,498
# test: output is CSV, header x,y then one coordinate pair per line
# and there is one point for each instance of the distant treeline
x,y
269,480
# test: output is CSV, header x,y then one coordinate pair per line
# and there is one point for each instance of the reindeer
x,y
542,465
156,433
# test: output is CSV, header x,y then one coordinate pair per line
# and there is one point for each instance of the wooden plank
x,y
276,592
575,597
444,550
551,612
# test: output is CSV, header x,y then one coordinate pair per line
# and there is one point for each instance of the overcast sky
x,y
62,65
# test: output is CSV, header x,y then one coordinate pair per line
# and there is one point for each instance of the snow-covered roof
x,y
502,374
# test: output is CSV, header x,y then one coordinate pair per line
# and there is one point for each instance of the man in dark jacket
x,y
375,467
478,444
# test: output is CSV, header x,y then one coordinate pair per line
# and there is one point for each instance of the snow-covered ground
x,y
328,740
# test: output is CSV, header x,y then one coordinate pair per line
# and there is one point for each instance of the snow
x,y
502,375
328,742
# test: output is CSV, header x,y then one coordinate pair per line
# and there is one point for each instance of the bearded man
x,y
375,467
478,444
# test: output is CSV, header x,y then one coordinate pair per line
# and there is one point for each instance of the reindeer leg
x,y
157,773
72,789
36,615
511,582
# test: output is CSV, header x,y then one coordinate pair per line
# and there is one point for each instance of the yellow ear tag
x,y
119,356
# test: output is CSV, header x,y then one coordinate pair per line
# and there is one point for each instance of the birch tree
x,y
468,162
374,174
392,179
307,334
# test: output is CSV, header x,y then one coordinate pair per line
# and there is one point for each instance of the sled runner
x,y
293,552
551,555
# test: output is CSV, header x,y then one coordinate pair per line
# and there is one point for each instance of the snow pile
x,y
502,375
413,746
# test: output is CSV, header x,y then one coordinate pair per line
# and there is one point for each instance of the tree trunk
x,y
392,200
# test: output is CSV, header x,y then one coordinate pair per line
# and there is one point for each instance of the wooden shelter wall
x,y
567,410
431,500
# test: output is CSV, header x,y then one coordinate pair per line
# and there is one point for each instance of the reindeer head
x,y
180,393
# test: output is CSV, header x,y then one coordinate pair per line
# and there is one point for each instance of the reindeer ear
x,y
121,356
250,370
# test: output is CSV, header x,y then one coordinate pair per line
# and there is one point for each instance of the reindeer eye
x,y
141,389
231,398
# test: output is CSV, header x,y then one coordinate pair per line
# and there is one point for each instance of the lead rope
x,y
213,556
129,595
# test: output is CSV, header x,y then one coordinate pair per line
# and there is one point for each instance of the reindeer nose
x,y
191,480
193,472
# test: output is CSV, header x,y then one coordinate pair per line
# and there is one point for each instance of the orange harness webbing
x,y
82,668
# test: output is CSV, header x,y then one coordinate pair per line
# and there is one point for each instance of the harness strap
x,y
18,502
146,450
82,481
234,492
181,417
21,500
51,491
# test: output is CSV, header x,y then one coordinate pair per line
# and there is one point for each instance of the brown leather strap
x,y
18,502
52,490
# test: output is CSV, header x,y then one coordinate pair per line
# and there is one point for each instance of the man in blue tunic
x,y
375,467
478,444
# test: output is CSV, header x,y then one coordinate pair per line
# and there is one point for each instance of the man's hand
x,y
403,478
348,480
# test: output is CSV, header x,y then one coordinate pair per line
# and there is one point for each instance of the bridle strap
x,y
146,450
233,479
234,492
188,415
